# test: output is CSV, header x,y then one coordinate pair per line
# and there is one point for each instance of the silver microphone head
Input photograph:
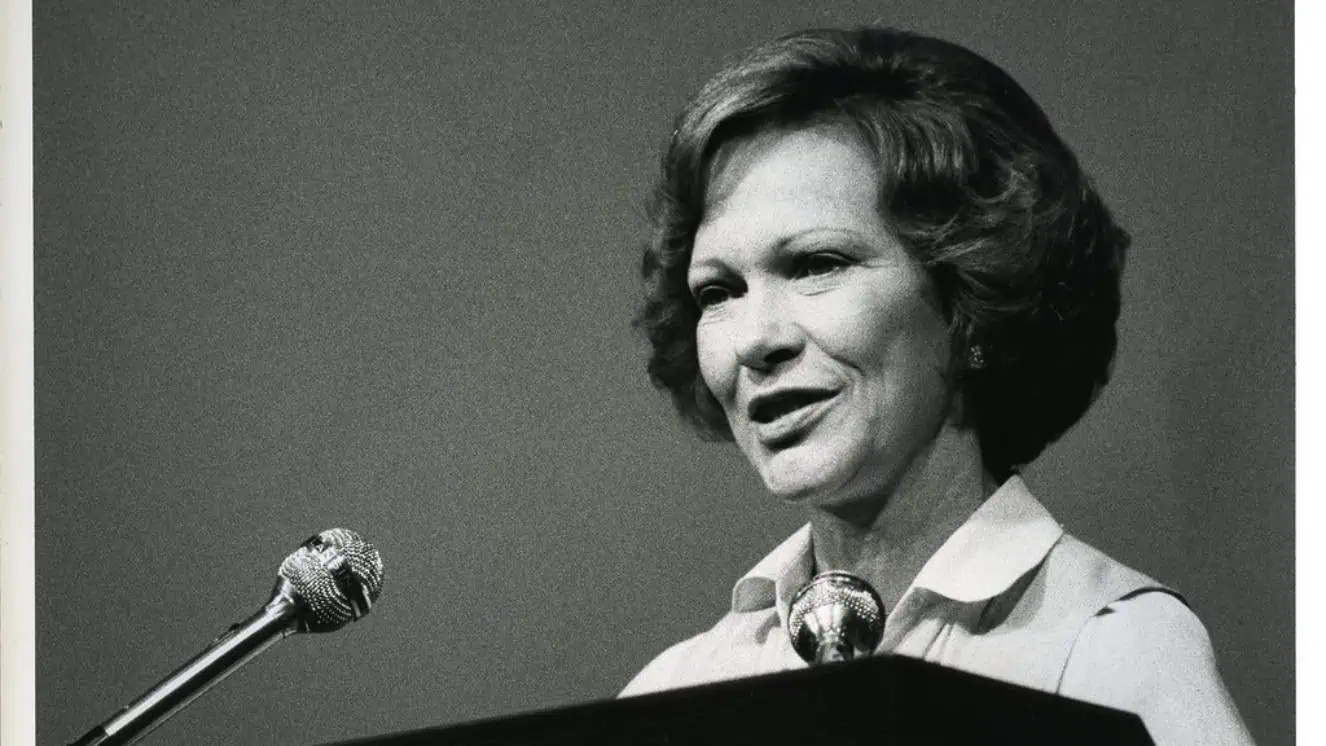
x,y
836,616
336,575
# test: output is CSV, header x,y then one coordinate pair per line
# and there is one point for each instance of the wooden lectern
x,y
881,700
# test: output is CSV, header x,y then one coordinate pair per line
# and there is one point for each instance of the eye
x,y
821,263
710,295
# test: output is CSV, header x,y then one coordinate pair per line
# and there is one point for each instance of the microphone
x,y
835,617
329,581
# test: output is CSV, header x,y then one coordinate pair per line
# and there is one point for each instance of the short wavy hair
x,y
975,183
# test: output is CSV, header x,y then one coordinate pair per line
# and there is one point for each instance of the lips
x,y
781,416
769,407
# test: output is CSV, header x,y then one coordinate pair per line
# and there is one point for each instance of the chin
x,y
814,480
799,491
839,473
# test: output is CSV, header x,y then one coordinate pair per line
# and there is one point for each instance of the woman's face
x,y
819,335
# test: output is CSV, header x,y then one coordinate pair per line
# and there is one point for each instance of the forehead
x,y
779,183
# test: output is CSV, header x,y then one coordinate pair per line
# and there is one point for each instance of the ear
x,y
967,363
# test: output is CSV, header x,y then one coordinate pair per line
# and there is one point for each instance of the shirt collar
x,y
777,577
1004,539
1008,535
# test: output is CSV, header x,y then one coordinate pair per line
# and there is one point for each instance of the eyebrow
x,y
780,246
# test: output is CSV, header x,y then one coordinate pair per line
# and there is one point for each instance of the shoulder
x,y
740,644
1150,627
1148,653
1074,583
664,671
1130,611
1088,568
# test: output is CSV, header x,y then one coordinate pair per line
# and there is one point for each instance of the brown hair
x,y
976,184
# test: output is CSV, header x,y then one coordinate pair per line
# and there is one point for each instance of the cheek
x,y
923,361
712,358
903,344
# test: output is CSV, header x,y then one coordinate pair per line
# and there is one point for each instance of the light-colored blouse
x,y
1009,596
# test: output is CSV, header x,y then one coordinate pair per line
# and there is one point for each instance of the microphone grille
x,y
838,609
337,575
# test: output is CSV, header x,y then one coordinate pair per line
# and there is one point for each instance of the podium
x,y
879,701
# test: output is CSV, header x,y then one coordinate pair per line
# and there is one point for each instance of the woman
x,y
879,271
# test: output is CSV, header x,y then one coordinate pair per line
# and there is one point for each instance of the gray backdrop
x,y
373,264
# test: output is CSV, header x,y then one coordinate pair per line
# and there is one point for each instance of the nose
x,y
766,333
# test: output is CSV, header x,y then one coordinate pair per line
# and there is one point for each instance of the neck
x,y
887,543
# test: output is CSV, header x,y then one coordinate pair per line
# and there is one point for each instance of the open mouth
x,y
769,408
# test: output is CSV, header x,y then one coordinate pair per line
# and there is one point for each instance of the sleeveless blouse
x,y
1009,596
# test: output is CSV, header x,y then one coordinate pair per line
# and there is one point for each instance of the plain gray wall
x,y
373,265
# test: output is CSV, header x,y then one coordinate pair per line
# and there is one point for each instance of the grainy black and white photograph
x,y
614,372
